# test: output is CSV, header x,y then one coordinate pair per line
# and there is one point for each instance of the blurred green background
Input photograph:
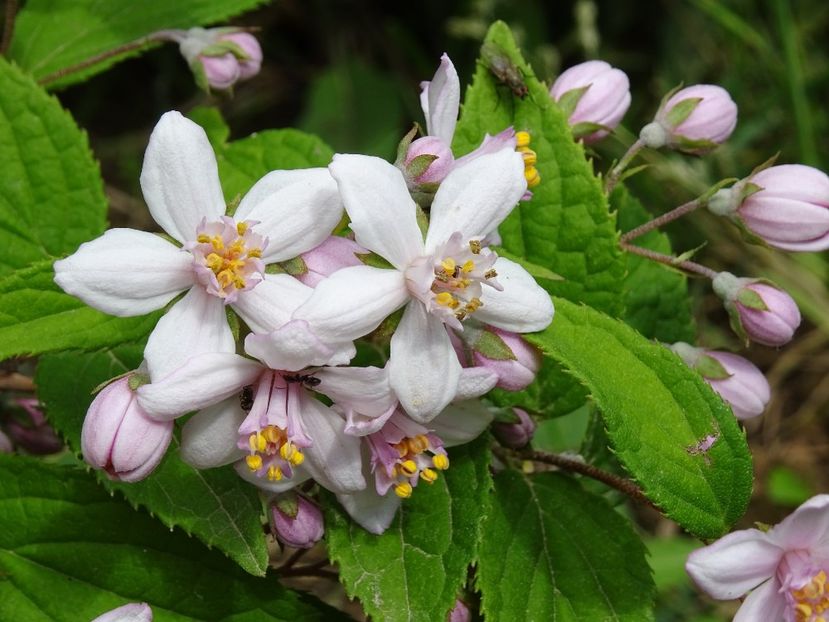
x,y
349,71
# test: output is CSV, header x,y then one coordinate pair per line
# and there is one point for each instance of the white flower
x,y
221,260
442,280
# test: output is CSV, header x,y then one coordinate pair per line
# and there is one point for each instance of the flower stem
x,y
294,558
610,479
680,211
8,25
688,266
614,175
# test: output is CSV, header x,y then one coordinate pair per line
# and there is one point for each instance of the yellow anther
x,y
255,252
214,262
271,434
241,227
402,448
403,490
408,467
445,299
522,139
490,274
448,265
532,177
461,315
252,442
803,611
441,461
217,242
428,475
254,462
274,473
473,305
418,444
203,238
297,459
530,157
257,442
468,266
287,451
475,246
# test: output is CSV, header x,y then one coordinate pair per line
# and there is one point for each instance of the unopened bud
x,y
737,380
514,360
302,530
592,94
515,435
133,612
219,58
334,253
759,311
120,438
459,613
250,66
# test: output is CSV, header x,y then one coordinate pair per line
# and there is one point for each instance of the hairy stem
x,y
680,211
8,25
674,262
613,176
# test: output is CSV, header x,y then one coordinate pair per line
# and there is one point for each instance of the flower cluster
x,y
278,399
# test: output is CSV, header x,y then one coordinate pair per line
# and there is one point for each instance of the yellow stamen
x,y
468,266
287,451
409,468
475,246
490,274
203,238
402,448
214,262
804,611
428,475
255,252
532,177
445,299
448,265
274,473
217,242
254,462
403,490
522,139
418,444
441,461
297,459
241,227
473,305
530,157
271,434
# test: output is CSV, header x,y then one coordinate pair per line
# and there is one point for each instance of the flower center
x,y
227,257
811,600
271,453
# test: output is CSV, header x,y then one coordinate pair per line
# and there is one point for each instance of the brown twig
x,y
294,558
8,25
674,262
16,382
680,211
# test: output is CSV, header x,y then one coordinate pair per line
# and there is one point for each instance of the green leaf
x,y
52,35
656,410
51,193
69,552
37,317
416,568
656,298
215,505
553,551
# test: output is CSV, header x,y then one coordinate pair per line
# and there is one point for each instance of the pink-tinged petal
x,y
382,212
734,564
209,439
300,475
133,612
180,179
805,528
201,382
296,210
367,387
126,272
765,603
461,422
271,303
333,459
372,512
136,434
474,382
353,301
294,346
423,367
440,100
195,325
476,197
522,307
360,424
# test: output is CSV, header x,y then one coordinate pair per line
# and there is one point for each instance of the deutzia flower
x,y
441,281
217,259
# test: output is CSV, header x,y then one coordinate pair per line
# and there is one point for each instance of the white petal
x,y
522,307
367,387
126,272
300,475
201,382
294,346
382,212
764,603
209,438
805,528
296,210
334,457
734,564
369,510
270,304
195,325
461,422
353,301
423,367
474,382
441,100
180,179
476,197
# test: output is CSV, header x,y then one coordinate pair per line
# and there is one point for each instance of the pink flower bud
x,y
133,612
515,435
735,379
221,72
695,120
513,374
301,531
120,438
434,171
786,205
758,311
334,253
220,58
459,613
5,444
247,42
592,93
35,439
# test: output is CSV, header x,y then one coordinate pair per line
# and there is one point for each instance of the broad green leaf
x,y
657,411
69,551
656,298
37,317
52,35
416,568
566,227
51,193
553,551
215,505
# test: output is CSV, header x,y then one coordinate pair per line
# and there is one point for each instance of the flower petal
x,y
440,100
734,564
294,346
209,438
382,212
180,179
476,197
367,387
196,324
300,475
474,382
764,603
132,612
372,512
296,210
423,367
461,422
522,307
126,272
352,302
805,528
270,304
199,383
